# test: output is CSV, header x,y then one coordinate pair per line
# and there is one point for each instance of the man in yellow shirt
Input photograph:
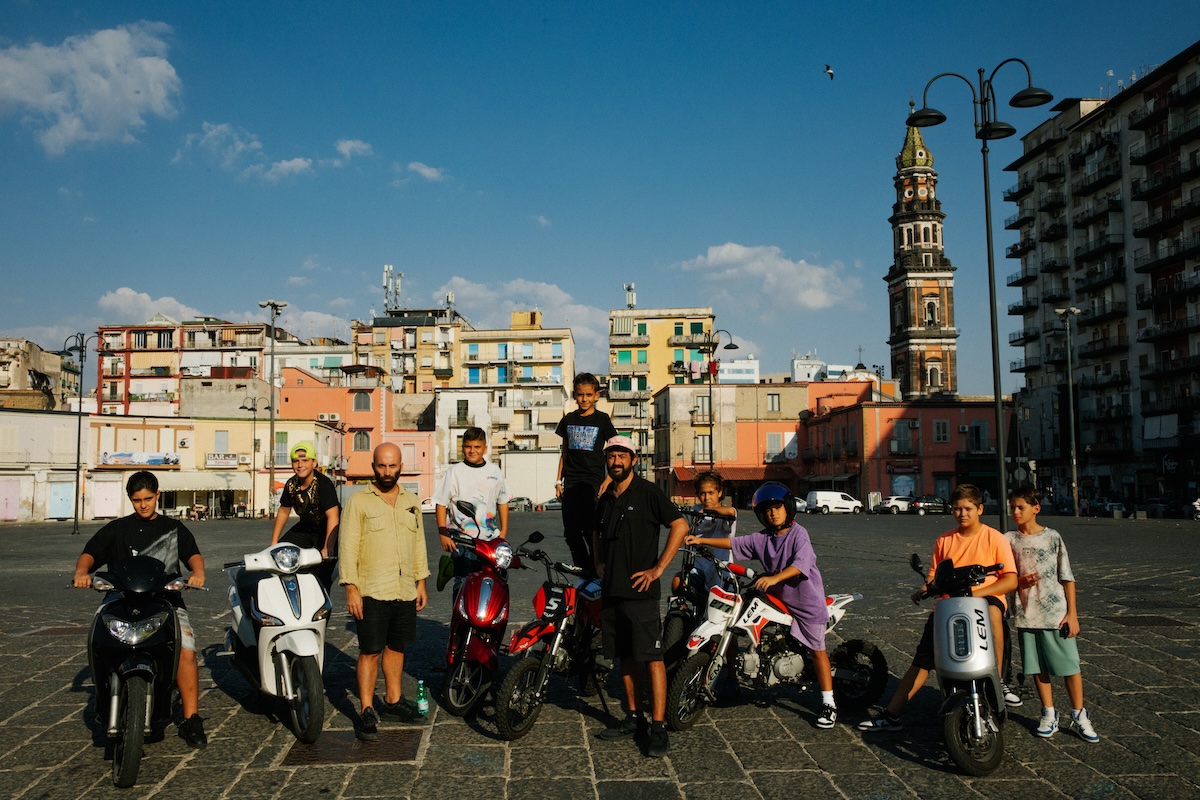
x,y
383,567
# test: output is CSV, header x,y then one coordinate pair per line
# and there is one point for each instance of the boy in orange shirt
x,y
971,542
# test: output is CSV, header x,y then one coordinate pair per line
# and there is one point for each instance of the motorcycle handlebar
x,y
742,570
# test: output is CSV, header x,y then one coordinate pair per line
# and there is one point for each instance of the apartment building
x,y
1108,243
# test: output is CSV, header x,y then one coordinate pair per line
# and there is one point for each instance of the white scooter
x,y
277,639
964,656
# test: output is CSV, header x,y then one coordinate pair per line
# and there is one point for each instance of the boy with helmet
x,y
784,550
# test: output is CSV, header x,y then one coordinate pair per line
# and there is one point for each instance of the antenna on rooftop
x,y
391,288
630,296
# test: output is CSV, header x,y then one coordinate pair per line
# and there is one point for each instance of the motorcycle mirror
x,y
535,537
915,562
465,507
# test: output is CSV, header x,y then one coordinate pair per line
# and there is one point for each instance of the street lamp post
x,y
987,127
77,343
711,339
276,306
1066,314
251,404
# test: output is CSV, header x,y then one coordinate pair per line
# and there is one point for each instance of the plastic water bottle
x,y
422,698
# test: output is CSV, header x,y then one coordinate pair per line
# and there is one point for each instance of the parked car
x,y
894,504
428,506
928,504
520,504
553,504
801,505
827,502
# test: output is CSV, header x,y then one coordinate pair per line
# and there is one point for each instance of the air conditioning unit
x,y
916,423
322,418
334,416
964,428
243,459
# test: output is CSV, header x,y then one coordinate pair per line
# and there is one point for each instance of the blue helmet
x,y
768,494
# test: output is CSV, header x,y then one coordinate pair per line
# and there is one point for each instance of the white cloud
x,y
348,148
224,144
90,89
284,169
297,280
311,262
432,174
762,276
127,306
541,221
341,302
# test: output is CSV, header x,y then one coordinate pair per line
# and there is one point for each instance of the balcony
x,y
1168,330
1171,403
443,372
1157,184
1050,171
1147,116
1168,252
1111,413
1102,311
1054,232
1099,347
1024,216
629,369
1104,381
460,420
1183,94
1148,224
1103,176
1023,306
628,394
1095,279
1052,201
1057,355
1097,211
1050,266
1023,277
1021,248
1025,364
1055,294
700,341
628,340
1170,366
1018,190
1093,143
1168,289
1154,148
1094,247
1023,336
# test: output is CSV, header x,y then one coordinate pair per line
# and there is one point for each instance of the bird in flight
x,y
829,71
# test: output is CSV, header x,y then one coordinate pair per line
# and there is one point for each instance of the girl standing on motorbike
x,y
784,549
710,488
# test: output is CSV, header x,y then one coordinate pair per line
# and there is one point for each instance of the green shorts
x,y
1046,651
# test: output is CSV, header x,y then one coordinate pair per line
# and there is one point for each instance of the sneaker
x,y
658,746
828,717
368,725
885,721
403,710
1081,725
1048,724
1011,698
633,726
192,731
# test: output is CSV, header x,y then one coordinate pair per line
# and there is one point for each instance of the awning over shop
x,y
203,481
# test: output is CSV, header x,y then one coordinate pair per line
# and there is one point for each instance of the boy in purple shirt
x,y
783,548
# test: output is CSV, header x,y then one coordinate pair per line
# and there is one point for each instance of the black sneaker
x,y
633,726
828,717
192,731
884,722
403,710
658,746
368,725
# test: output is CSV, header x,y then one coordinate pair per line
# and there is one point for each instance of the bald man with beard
x,y
383,567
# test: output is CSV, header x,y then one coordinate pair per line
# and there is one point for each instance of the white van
x,y
825,502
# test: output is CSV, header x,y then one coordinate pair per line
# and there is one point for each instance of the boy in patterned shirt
x,y
1046,615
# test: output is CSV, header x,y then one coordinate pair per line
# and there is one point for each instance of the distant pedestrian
x,y
383,567
581,470
314,499
1046,615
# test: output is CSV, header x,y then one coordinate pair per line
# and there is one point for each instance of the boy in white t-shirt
x,y
481,483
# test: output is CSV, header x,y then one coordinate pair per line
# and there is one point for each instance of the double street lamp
x,y
276,306
709,347
987,127
77,343
251,404
1065,314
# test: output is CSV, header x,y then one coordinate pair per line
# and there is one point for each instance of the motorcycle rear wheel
x,y
463,686
127,750
978,757
517,701
860,674
674,641
686,696
308,707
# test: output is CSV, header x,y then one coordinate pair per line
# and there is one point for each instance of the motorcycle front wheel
x,y
517,699
686,697
308,706
860,674
127,750
463,686
674,641
976,757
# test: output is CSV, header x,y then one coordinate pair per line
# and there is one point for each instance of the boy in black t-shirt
x,y
145,532
314,499
581,470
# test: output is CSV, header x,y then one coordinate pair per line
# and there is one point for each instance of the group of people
x,y
613,522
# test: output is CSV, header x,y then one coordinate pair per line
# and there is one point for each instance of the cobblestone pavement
x,y
1139,594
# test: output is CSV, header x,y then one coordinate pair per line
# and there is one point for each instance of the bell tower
x,y
920,282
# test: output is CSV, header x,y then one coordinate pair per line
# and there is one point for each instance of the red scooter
x,y
478,621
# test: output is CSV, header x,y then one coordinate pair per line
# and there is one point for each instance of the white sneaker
x,y
1048,724
1011,698
1081,725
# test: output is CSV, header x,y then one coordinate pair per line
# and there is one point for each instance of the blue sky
x,y
195,158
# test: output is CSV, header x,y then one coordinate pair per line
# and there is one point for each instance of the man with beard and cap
x,y
629,517
383,567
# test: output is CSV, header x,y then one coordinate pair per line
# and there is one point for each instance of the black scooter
x,y
133,653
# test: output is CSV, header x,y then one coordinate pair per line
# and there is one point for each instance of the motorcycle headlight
x,y
132,633
504,555
286,557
